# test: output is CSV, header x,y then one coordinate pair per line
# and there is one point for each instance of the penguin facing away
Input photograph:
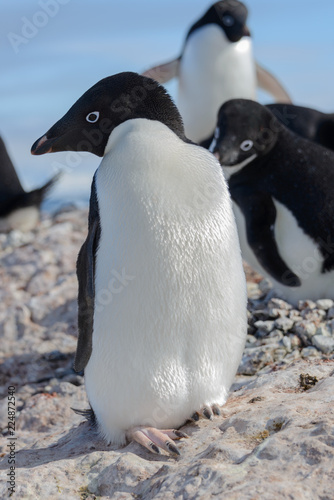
x,y
307,122
162,299
282,189
216,64
18,209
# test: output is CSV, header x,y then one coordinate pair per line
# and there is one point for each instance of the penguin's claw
x,y
207,412
195,417
216,410
155,439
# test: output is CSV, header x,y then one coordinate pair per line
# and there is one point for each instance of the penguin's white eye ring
x,y
93,117
246,145
228,20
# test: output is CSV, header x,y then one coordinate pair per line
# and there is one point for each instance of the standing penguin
x,y
216,64
309,123
282,187
18,209
162,301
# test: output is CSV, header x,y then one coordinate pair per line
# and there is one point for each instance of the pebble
x,y
287,343
250,339
284,324
305,328
276,335
325,304
330,313
322,330
279,354
264,326
324,344
306,304
292,356
310,352
279,303
295,341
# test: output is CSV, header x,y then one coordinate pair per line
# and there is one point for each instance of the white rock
x,y
264,326
284,324
324,344
325,304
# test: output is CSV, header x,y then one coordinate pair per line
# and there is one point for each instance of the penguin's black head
x,y
230,15
245,130
115,99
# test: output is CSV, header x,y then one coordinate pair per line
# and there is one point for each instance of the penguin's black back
x,y
299,174
309,123
10,185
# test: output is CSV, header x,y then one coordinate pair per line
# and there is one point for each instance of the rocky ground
x,y
274,439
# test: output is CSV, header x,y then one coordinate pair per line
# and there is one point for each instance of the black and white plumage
x,y
18,209
307,122
282,186
162,302
216,64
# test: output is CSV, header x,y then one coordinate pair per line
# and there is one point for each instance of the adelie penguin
x,y
282,187
216,64
162,300
307,122
19,209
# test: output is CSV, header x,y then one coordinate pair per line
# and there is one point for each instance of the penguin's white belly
x,y
212,71
299,252
169,323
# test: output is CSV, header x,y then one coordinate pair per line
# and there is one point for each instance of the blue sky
x,y
82,41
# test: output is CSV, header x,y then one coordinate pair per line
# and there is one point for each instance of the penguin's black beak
x,y
245,31
43,145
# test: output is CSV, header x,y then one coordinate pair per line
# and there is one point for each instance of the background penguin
x,y
162,300
216,64
307,122
283,191
18,209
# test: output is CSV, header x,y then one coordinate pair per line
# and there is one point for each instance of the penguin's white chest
x,y
169,321
299,252
212,71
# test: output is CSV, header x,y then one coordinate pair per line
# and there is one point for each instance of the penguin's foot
x,y
207,412
156,439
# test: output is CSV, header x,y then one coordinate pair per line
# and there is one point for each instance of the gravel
x,y
38,325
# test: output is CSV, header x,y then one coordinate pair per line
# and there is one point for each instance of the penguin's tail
x,y
88,414
27,199
35,197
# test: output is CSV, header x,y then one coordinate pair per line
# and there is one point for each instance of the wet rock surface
x,y
274,439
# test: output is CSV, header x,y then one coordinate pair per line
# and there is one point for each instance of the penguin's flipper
x,y
86,278
260,214
164,72
270,84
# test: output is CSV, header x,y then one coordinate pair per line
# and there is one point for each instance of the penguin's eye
x,y
246,145
92,117
228,20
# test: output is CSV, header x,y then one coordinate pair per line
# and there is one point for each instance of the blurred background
x,y
53,50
